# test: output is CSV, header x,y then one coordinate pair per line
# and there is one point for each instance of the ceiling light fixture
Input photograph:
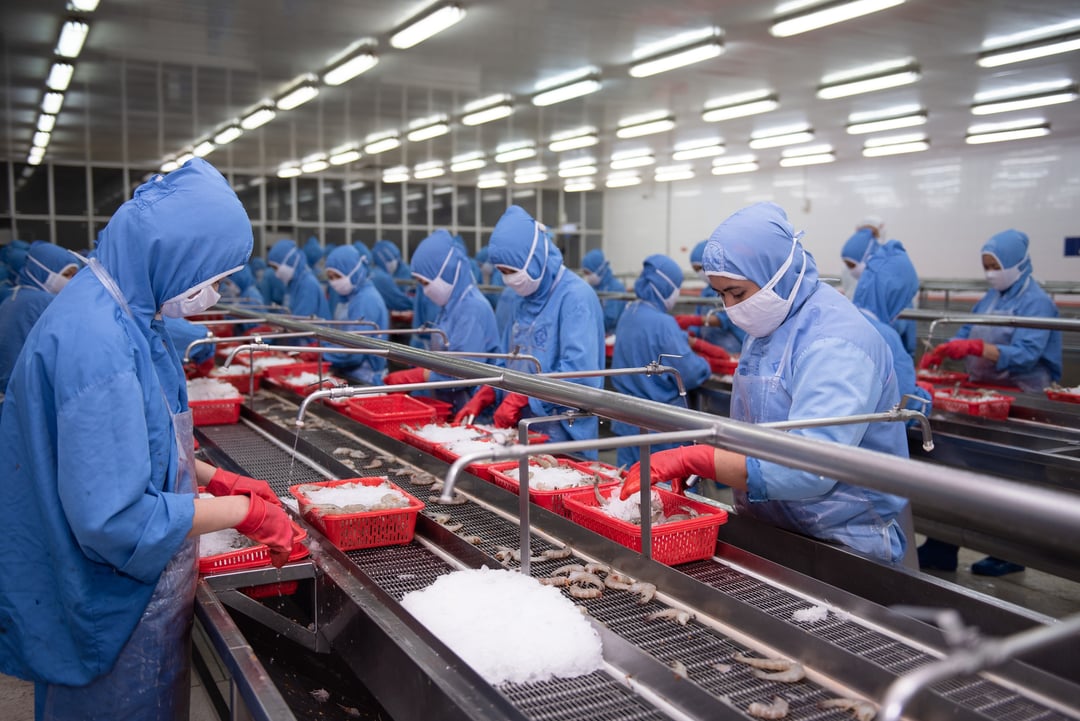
x,y
203,148
41,140
530,174
169,165
828,14
734,165
46,123
422,27
184,156
397,174
680,51
739,106
636,158
228,134
646,124
622,180
776,137
34,159
573,139
510,152
495,179
427,128
52,102
577,167
881,76
59,76
83,6
668,173
579,186
344,154
566,87
887,123
467,161
800,160
299,93
485,110
288,170
1000,132
1026,102
72,37
381,142
352,64
258,117
429,169
895,145
1030,51
694,149
314,163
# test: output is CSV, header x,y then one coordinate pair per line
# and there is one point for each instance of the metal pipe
x,y
1042,518
321,350
972,660
402,331
893,415
649,370
209,340
681,300
225,321
1015,321
350,391
507,356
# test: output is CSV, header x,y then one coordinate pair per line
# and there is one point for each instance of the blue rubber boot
x,y
935,555
991,566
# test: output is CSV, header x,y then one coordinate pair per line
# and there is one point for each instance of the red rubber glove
x,y
704,348
957,349
269,525
483,398
687,321
409,375
926,386
932,358
509,411
675,465
224,483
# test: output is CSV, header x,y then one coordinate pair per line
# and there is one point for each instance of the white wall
x,y
942,206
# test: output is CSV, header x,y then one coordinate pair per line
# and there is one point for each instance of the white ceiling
x,y
157,75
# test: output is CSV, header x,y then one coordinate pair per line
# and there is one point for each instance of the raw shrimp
x,y
862,710
679,668
773,669
776,710
645,590
568,569
671,614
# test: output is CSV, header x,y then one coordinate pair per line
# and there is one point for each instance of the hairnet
x,y
257,263
363,250
15,254
282,254
482,254
345,260
431,254
51,256
594,262
385,252
698,252
312,250
1009,248
513,237
652,285
859,246
888,284
243,278
753,244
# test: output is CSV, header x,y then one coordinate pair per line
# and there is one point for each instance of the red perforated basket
x,y
973,403
549,499
215,412
940,377
277,373
672,543
349,531
239,382
388,413
1060,395
290,382
256,557
442,408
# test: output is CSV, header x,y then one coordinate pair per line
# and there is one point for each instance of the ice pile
x,y
630,509
355,497
810,615
233,370
442,434
507,626
311,379
208,389
271,361
461,448
551,479
224,541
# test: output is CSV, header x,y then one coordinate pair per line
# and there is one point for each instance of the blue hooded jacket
x,y
561,322
90,457
862,246
595,263
488,275
727,335
270,286
313,252
395,296
303,294
362,303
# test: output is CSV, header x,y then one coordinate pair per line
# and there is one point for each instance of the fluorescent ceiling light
x,y
1018,91
647,124
227,135
511,152
491,180
800,160
668,173
688,55
893,123
573,139
290,170
204,148
298,94
868,83
423,27
72,37
381,142
566,92
1030,51
828,14
60,76
350,67
184,157
739,106
636,158
577,171
530,174
579,186
622,180
913,146
806,150
1000,132
487,113
257,118
894,140
1025,103
429,169
32,159
52,102
83,6
46,123
776,137
344,154
1040,33
41,140
168,166
698,149
428,132
578,162
734,166
397,174
466,162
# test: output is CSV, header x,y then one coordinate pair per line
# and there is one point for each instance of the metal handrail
x,y
1013,321
212,340
893,415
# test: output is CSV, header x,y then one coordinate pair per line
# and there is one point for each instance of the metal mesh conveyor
x,y
702,649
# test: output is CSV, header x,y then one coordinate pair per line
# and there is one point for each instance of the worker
x,y
394,295
488,276
182,333
47,269
710,322
347,273
6,285
303,295
98,563
646,330
857,251
313,253
1024,358
558,320
597,273
441,269
810,354
388,257
425,313
240,288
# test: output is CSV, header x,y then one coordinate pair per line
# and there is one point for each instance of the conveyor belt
x,y
400,569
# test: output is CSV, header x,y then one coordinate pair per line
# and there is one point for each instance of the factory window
x,y
362,202
572,209
492,205
73,234
250,194
415,236
366,236
334,236
391,234
5,208
109,190
31,230
69,189
465,202
416,204
594,209
390,203
31,190
279,202
549,207
307,199
528,198
333,195
442,206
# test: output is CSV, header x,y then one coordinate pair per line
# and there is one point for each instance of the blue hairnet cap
x,y
751,244
888,284
16,254
363,250
698,252
482,254
432,253
348,261
859,246
243,278
659,272
286,252
385,251
1009,247
51,256
513,237
312,250
257,263
594,261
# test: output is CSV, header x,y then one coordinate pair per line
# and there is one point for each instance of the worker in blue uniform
x,y
270,286
488,276
395,296
313,253
444,275
810,354
347,273
710,322
98,556
645,330
303,294
1024,358
47,269
856,253
596,271
558,320
240,288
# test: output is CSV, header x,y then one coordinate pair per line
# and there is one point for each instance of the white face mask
x,y
54,282
344,285
1002,280
391,266
764,311
670,298
703,275
438,290
592,278
284,272
520,281
185,304
857,271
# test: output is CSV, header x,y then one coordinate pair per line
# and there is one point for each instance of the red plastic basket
x,y
289,381
442,408
549,499
672,543
349,531
256,557
239,382
388,413
277,373
215,412
974,403
224,349
940,377
1063,396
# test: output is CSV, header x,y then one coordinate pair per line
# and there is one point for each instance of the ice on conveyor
x,y
353,494
630,509
208,389
443,434
551,479
507,626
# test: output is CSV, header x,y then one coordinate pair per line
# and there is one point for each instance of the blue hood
x,y
430,255
364,251
257,264
385,252
888,284
313,252
698,252
859,246
595,262
177,232
652,285
15,254
510,243
348,261
1010,248
243,278
51,256
286,252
